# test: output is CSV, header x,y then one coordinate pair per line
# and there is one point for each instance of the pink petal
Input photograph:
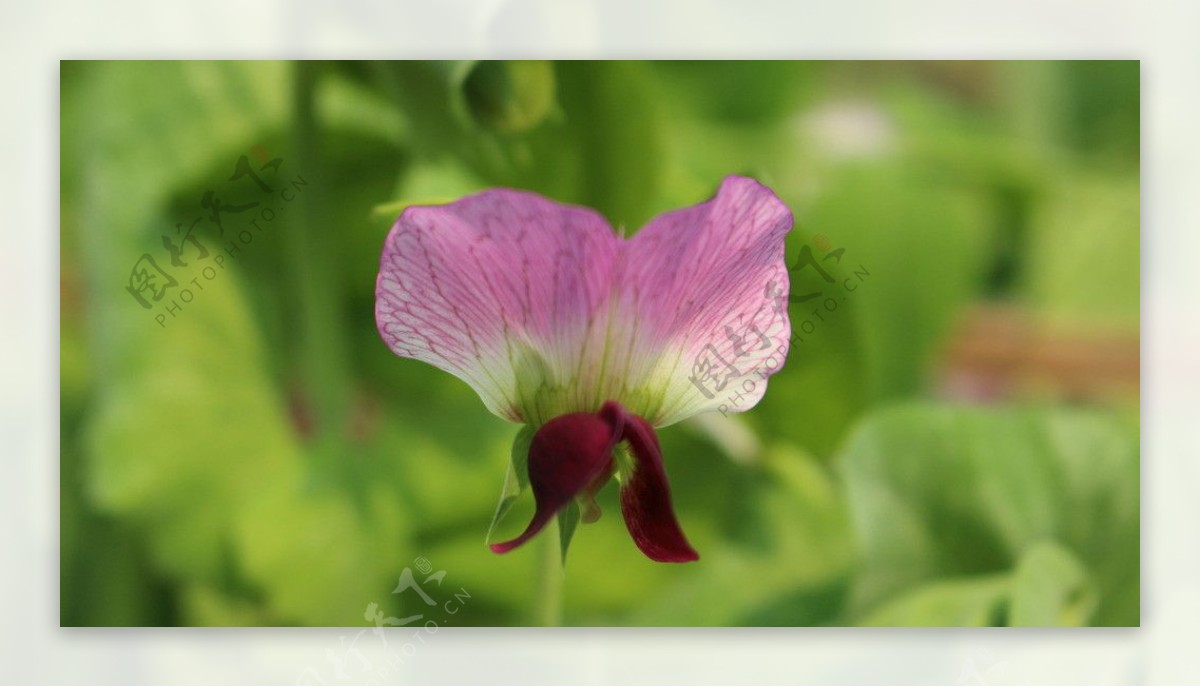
x,y
543,310
502,289
706,288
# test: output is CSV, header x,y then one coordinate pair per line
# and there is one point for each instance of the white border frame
x,y
1162,34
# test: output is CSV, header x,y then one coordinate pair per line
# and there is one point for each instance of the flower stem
x,y
320,361
550,582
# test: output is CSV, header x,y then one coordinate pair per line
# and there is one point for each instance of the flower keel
x,y
566,456
571,457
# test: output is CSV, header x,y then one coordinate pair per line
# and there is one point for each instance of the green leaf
x,y
318,555
946,492
165,435
1051,588
923,268
189,438
972,602
1083,259
515,480
568,520
1048,588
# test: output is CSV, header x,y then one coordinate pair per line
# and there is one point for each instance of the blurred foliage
x,y
259,456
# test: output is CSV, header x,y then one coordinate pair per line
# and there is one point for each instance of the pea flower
x,y
593,339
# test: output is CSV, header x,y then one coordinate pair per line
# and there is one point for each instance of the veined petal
x,y
504,289
701,317
544,311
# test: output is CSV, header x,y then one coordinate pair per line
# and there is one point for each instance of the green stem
x,y
321,362
549,597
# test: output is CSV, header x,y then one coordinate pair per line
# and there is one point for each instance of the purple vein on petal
x,y
543,309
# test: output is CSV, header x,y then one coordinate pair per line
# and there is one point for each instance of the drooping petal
x,y
505,290
567,455
701,319
646,499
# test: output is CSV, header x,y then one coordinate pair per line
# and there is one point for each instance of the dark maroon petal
x,y
646,499
566,456
615,415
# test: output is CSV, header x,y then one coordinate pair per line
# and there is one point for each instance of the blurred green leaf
x,y
156,449
333,556
1083,261
943,492
1050,588
1047,588
190,438
972,602
923,246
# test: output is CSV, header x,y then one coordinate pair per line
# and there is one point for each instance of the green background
x,y
260,458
